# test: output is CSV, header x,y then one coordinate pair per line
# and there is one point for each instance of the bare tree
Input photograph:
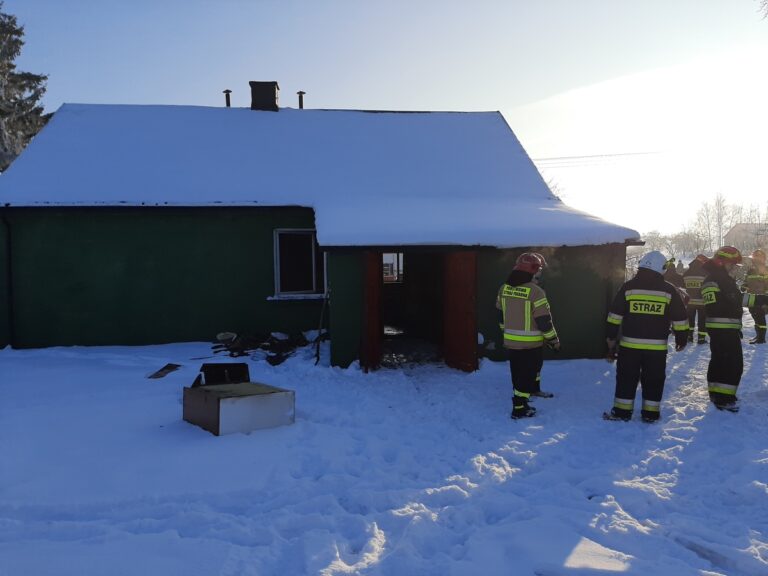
x,y
689,242
707,231
704,225
554,185
654,240
720,213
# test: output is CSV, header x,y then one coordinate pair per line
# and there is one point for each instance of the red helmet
x,y
725,255
758,255
530,262
701,258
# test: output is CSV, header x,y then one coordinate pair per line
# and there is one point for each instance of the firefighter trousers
x,y
525,367
701,312
648,367
758,315
726,364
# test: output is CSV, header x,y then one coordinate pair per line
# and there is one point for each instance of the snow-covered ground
x,y
411,472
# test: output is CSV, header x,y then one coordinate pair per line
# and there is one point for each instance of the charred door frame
x,y
459,310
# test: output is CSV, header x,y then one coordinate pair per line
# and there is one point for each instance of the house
x,y
747,236
128,224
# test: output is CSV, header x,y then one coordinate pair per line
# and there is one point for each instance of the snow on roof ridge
x,y
454,177
291,108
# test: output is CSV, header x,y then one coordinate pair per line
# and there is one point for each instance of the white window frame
x,y
303,294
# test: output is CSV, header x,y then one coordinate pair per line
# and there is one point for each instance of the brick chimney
x,y
264,95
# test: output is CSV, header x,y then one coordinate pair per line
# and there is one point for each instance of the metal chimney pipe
x,y
227,92
301,99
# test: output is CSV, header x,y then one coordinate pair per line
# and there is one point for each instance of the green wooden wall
x,y
5,329
136,276
345,282
580,283
150,275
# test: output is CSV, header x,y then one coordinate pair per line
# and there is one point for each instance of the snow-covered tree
x,y
21,114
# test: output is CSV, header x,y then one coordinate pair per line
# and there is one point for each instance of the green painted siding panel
x,y
153,275
5,328
580,283
345,277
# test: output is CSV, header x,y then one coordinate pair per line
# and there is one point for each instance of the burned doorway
x,y
419,306
412,307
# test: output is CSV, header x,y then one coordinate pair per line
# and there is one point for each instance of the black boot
x,y
618,414
521,409
728,402
727,406
649,417
760,337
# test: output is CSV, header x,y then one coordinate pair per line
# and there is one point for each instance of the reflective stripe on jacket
x,y
723,299
756,280
645,308
694,278
525,308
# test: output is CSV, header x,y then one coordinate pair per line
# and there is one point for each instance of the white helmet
x,y
655,261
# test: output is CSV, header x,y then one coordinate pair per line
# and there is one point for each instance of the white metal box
x,y
229,407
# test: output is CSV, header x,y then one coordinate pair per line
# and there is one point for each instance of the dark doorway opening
x,y
412,308
420,307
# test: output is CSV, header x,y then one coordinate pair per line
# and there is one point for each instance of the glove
x,y
612,353
554,344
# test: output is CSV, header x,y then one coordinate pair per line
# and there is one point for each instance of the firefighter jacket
x,y
525,318
694,278
673,277
723,299
756,280
644,308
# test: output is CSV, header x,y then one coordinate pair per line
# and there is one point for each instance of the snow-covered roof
x,y
372,178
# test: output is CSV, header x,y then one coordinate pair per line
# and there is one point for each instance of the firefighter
x,y
694,278
671,275
644,308
526,321
756,282
724,302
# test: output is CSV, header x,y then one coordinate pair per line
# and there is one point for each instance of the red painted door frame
x,y
459,310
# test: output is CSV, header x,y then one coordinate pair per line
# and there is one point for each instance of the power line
x,y
586,160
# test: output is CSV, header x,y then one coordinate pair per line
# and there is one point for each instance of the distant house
x,y
148,224
747,237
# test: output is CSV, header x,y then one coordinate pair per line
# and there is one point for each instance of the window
x,y
392,266
299,263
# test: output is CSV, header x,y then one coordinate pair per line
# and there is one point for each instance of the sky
x,y
417,470
656,106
